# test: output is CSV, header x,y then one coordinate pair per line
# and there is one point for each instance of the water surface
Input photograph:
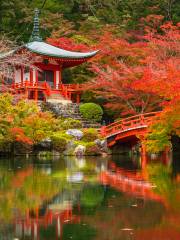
x,y
93,198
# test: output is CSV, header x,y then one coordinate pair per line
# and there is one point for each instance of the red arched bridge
x,y
128,127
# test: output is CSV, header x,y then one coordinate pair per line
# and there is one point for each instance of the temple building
x,y
44,80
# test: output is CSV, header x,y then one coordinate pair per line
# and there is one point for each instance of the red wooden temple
x,y
44,80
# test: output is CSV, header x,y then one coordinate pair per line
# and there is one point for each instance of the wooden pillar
x,y
78,98
143,155
65,92
22,75
31,76
36,94
165,155
36,87
26,92
70,95
36,80
55,80
14,77
60,74
34,76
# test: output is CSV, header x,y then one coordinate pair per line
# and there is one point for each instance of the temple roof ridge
x,y
46,49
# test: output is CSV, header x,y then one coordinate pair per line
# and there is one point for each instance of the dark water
x,y
93,198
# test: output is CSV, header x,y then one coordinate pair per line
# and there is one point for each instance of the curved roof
x,y
46,49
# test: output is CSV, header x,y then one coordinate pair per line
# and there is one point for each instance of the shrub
x,y
59,141
92,149
91,111
5,146
90,134
70,123
21,148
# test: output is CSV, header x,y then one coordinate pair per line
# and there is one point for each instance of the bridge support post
x,y
143,155
166,156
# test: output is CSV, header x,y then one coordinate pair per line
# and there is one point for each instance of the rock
x,y
98,142
80,150
70,147
102,144
78,134
45,143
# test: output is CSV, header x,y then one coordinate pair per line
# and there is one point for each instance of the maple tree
x,y
161,76
11,56
68,44
118,65
23,122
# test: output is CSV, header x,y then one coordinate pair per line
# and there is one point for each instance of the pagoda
x,y
43,81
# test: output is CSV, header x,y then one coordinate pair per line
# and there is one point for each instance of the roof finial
x,y
35,36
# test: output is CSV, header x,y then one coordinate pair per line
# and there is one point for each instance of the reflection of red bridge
x,y
129,182
128,127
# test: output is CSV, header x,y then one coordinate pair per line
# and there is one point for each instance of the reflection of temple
x,y
58,211
56,214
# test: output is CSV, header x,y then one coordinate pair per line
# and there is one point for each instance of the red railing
x,y
69,87
126,124
73,87
27,84
65,89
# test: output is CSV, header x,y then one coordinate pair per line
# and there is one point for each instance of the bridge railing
x,y
129,123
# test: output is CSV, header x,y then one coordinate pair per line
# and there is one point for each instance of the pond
x,y
89,198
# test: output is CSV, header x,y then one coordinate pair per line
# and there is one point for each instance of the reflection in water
x,y
95,198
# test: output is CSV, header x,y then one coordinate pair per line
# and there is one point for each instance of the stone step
x,y
69,110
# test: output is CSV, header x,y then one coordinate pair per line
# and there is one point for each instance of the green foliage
x,y
59,141
69,123
80,15
90,134
158,138
91,111
164,128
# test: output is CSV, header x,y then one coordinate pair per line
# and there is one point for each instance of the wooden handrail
x,y
128,123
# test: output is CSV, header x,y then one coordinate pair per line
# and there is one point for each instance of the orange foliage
x,y
140,76
19,135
